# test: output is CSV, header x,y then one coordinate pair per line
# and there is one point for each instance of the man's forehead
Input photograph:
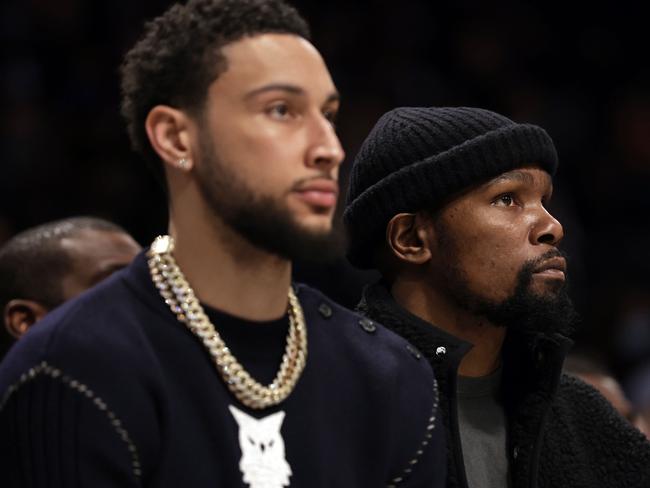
x,y
282,59
96,242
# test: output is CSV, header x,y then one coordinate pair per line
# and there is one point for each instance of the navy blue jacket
x,y
111,390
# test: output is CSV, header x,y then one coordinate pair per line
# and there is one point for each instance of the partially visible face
x,y
496,247
269,153
96,254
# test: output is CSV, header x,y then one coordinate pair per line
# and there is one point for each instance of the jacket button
x,y
367,325
515,452
441,351
414,352
325,310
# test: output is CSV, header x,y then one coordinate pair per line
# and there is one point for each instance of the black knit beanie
x,y
416,157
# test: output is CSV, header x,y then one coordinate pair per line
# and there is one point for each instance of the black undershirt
x,y
257,345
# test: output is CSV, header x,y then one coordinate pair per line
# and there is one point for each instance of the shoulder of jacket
x,y
90,327
369,340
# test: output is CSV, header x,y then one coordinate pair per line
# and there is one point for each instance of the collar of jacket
x,y
532,367
440,347
535,349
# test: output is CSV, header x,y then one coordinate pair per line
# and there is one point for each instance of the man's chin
x,y
547,289
308,240
315,226
310,216
545,311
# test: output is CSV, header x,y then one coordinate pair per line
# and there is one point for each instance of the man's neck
x,y
427,304
227,272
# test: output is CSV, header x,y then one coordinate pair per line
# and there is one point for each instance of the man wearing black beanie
x,y
450,205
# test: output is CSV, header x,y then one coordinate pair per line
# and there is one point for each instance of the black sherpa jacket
x,y
561,432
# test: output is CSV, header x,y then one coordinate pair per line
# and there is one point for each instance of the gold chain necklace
x,y
182,301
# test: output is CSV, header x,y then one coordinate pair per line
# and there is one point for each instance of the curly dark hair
x,y
179,56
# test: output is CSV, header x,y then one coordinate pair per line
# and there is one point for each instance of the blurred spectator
x,y
631,344
591,371
47,265
638,385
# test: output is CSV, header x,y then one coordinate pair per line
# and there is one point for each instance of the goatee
x,y
527,311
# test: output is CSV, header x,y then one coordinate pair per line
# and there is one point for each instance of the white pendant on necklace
x,y
263,461
162,244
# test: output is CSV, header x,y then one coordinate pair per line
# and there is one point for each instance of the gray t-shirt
x,y
483,431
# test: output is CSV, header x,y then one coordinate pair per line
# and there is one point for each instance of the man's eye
x,y
506,200
279,111
330,115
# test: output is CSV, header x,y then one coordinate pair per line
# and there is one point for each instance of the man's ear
x,y
20,315
408,237
169,132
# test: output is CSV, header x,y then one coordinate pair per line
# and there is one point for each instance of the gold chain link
x,y
182,301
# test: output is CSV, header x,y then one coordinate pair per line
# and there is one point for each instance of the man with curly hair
x,y
201,364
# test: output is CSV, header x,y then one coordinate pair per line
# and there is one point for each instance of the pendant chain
x,y
182,301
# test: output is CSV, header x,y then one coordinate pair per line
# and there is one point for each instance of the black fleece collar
x,y
435,343
378,304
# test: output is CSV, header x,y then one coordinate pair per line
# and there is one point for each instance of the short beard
x,y
260,219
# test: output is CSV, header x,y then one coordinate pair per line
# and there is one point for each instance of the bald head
x,y
47,265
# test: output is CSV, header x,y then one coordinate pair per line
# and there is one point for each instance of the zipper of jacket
x,y
537,450
534,462
455,429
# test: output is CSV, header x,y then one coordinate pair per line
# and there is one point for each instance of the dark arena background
x,y
583,74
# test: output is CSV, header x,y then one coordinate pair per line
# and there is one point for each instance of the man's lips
x,y
319,193
552,268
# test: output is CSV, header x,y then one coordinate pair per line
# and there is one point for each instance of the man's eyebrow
x,y
334,97
513,176
110,268
288,88
105,272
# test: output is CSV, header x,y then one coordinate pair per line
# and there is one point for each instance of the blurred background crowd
x,y
581,73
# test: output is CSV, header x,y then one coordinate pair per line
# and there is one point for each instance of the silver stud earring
x,y
183,163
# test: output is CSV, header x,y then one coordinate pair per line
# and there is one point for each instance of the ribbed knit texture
x,y
415,157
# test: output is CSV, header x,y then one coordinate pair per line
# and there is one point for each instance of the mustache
x,y
298,184
525,275
533,264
